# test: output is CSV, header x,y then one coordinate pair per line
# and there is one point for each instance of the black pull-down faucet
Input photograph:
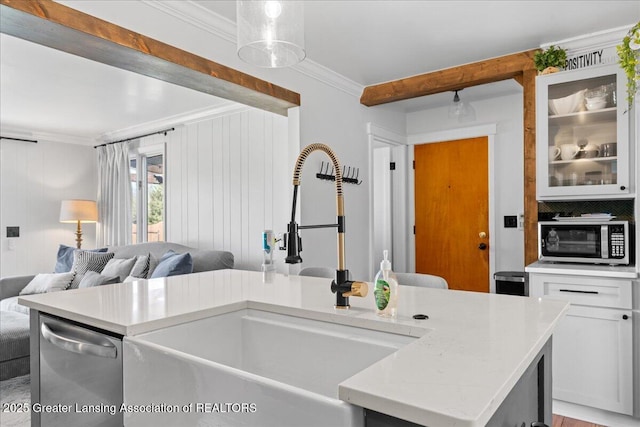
x,y
341,286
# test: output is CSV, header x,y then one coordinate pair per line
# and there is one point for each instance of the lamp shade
x,y
270,33
78,210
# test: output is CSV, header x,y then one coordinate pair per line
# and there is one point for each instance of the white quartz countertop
x,y
471,352
597,270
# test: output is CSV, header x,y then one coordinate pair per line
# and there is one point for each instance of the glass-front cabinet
x,y
582,132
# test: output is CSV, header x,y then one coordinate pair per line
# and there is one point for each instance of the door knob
x,y
482,235
482,246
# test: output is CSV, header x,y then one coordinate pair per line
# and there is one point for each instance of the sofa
x,y
14,321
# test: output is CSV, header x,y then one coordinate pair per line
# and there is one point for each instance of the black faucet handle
x,y
293,244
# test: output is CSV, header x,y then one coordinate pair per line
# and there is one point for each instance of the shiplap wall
x,y
34,179
228,179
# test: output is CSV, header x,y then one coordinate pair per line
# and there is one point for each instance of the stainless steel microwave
x,y
606,242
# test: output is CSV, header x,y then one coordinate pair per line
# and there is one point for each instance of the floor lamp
x,y
78,211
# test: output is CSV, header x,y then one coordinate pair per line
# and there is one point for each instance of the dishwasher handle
x,y
77,344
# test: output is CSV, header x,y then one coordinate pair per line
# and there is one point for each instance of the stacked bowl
x,y
596,99
568,104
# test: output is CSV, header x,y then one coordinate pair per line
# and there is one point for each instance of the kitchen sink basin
x,y
249,368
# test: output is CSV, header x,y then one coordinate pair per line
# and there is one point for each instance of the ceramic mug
x,y
569,151
590,151
554,153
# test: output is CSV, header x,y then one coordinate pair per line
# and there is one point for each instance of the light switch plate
x,y
510,221
521,221
13,231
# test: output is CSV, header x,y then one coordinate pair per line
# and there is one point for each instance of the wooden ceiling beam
x,y
456,78
54,25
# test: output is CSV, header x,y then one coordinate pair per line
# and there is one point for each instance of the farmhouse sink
x,y
249,368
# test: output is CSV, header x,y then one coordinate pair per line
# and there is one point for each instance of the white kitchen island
x,y
469,355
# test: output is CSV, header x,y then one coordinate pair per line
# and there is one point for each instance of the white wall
x,y
227,182
507,113
34,179
328,114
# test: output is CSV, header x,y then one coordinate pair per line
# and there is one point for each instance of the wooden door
x,y
451,212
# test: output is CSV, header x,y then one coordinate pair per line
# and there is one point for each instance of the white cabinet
x,y
592,346
592,359
582,135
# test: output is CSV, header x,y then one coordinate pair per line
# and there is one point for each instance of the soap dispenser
x,y
386,289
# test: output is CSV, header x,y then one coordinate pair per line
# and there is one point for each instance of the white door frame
x,y
382,206
488,130
378,137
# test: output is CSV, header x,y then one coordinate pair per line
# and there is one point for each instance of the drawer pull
x,y
625,317
579,292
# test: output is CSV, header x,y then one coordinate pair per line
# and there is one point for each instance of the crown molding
x,y
603,43
326,75
129,132
598,40
17,132
199,16
175,120
194,14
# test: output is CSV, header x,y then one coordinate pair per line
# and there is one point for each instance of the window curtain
x,y
114,195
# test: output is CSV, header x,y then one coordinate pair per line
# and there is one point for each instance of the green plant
x,y
628,58
552,57
156,203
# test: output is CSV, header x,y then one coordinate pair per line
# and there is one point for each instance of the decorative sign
x,y
589,58
584,60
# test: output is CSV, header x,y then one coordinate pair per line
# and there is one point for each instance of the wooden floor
x,y
560,421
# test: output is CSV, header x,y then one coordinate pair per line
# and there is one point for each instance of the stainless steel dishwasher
x,y
80,375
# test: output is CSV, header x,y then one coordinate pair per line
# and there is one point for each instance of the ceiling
x,y
372,42
46,91
368,42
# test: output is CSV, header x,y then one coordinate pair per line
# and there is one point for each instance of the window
x,y
147,188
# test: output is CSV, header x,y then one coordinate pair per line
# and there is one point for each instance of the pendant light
x,y
270,33
461,110
456,106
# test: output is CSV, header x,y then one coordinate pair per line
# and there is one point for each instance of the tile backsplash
x,y
621,209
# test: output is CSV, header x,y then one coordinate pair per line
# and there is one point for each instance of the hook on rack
x,y
349,175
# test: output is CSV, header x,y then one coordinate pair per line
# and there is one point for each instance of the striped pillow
x,y
84,261
141,267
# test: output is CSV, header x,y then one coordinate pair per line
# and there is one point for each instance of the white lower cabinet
x,y
592,346
592,362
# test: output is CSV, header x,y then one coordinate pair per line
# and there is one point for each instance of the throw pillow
x,y
84,261
91,279
172,264
47,283
119,267
141,267
153,263
65,258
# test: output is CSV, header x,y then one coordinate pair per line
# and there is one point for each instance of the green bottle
x,y
386,289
